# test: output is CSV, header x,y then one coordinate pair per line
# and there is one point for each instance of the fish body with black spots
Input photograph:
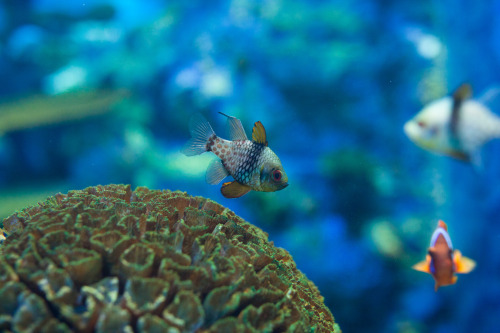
x,y
252,164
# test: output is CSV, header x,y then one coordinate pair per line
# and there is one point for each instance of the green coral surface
x,y
109,259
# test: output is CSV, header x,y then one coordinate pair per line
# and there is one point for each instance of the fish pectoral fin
x,y
476,160
234,189
463,264
422,266
259,133
216,172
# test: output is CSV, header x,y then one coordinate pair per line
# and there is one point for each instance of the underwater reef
x,y
109,259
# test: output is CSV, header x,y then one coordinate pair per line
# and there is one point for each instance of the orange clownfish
x,y
442,262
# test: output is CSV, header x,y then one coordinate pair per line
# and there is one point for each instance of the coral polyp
x,y
109,259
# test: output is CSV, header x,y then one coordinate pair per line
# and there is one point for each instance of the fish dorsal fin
x,y
461,94
259,133
463,264
443,225
234,189
236,130
423,266
216,172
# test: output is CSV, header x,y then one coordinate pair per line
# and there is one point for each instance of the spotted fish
x,y
252,164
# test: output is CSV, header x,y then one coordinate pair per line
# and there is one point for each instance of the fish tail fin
x,y
201,132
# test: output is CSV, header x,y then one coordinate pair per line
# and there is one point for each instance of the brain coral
x,y
108,259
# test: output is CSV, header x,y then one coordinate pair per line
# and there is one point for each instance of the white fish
x,y
456,126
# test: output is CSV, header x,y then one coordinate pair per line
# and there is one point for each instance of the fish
x,y
251,163
41,110
3,236
442,262
456,126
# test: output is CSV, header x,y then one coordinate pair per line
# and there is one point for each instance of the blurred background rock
x,y
98,92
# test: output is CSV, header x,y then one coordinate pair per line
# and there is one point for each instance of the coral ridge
x,y
107,258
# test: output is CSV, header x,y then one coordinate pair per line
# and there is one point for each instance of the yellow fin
x,y
463,264
422,266
259,133
234,189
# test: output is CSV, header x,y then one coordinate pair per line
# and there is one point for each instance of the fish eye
x,y
277,175
421,124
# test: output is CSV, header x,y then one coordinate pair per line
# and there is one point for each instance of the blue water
x,y
333,82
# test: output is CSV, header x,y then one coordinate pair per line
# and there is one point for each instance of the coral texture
x,y
109,259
